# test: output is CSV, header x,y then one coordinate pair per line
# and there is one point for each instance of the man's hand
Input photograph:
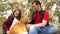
x,y
29,21
29,25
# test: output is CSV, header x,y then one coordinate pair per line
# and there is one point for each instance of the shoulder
x,y
10,16
46,12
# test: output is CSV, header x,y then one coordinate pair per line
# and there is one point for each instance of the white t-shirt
x,y
14,22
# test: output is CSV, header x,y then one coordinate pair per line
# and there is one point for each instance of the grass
x,y
0,30
1,22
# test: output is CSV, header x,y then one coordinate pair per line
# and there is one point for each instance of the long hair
x,y
19,13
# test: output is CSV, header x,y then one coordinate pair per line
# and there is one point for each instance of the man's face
x,y
35,7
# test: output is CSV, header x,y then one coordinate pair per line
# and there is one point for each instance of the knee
x,y
54,29
33,30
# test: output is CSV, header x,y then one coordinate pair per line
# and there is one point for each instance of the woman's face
x,y
16,14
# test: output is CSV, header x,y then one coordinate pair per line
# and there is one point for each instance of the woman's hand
x,y
7,32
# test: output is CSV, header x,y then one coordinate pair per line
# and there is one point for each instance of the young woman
x,y
11,21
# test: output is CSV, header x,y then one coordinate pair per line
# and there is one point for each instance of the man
x,y
40,21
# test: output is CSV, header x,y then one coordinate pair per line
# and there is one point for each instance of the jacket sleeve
x,y
5,26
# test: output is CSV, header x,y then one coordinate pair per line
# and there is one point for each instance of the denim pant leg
x,y
50,30
4,32
34,30
45,30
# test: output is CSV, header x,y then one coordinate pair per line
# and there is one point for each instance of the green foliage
x,y
56,13
2,20
48,5
2,6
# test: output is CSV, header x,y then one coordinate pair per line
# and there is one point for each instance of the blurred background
x,y
8,6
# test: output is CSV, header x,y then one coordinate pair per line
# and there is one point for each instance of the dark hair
x,y
19,13
37,2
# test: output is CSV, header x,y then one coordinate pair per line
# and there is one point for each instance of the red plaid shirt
x,y
38,20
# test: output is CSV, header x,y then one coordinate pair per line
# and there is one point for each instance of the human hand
x,y
7,32
28,25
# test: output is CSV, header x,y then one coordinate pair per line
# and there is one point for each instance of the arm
x,y
5,26
44,21
43,24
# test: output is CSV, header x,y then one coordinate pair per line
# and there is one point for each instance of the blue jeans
x,y
45,30
4,31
